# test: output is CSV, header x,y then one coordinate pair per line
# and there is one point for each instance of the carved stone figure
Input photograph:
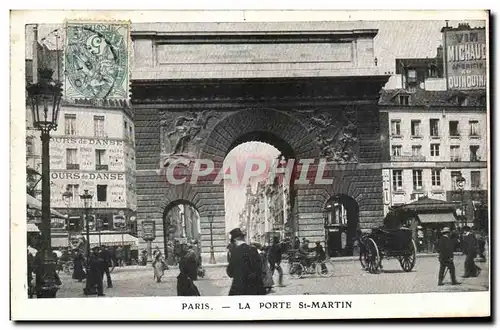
x,y
181,141
335,133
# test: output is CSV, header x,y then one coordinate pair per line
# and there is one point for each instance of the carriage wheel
x,y
373,256
295,270
407,261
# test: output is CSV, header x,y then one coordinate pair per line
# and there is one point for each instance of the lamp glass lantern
x,y
45,101
67,196
461,182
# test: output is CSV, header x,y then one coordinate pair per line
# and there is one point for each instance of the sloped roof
x,y
425,98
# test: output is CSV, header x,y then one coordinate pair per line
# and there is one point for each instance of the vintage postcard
x,y
250,165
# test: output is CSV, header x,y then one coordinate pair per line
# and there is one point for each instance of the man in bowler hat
x,y
470,250
445,247
244,267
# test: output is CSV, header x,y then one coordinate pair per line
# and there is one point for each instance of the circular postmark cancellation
x,y
96,61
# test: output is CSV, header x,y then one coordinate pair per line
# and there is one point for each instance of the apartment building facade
x,y
431,138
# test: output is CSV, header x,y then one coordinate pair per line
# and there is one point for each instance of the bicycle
x,y
298,267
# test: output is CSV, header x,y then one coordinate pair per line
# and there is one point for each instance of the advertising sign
x,y
465,58
148,230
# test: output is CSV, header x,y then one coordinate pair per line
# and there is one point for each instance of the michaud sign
x,y
465,57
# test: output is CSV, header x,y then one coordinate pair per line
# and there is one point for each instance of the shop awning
x,y
108,240
32,228
34,203
437,218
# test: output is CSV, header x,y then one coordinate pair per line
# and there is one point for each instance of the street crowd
x,y
251,266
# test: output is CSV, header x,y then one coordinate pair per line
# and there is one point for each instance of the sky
x,y
395,39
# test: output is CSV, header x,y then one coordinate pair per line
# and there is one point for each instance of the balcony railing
x,y
408,158
100,167
72,166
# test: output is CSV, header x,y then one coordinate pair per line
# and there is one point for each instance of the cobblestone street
x,y
348,278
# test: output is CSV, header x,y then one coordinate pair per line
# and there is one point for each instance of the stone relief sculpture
x,y
181,140
335,133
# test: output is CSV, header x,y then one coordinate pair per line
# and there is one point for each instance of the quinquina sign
x,y
465,57
148,230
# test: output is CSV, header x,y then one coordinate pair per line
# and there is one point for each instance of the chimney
x,y
35,53
439,53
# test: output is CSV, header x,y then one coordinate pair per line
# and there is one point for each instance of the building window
x,y
397,180
100,159
417,179
435,150
412,76
404,99
434,124
70,124
71,159
75,191
474,153
462,100
473,128
475,179
396,150
99,126
29,145
396,127
436,178
131,132
454,128
455,153
415,128
416,150
102,192
454,176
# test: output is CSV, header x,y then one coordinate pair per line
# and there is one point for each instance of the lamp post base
x,y
47,280
212,257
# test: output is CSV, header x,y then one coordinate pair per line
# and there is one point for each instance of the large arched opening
x,y
291,140
262,205
181,224
341,225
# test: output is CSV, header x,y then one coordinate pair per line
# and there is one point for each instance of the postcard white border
x,y
154,308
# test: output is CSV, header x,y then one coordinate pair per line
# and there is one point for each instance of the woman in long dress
x,y
266,271
78,266
158,266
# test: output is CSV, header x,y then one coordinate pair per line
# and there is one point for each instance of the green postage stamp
x,y
96,60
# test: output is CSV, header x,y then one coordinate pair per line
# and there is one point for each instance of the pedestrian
x,y
96,272
267,275
274,256
244,267
78,266
158,265
185,284
321,257
119,256
445,249
31,258
296,243
177,251
470,251
189,261
106,257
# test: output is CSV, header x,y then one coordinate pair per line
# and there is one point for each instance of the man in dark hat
x,y
470,251
96,271
244,267
274,256
106,257
445,248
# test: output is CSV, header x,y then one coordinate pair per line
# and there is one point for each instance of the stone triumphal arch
x,y
200,92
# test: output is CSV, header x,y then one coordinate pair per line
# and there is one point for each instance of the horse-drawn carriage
x,y
392,240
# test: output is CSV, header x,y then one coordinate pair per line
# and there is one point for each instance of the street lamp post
x,y
211,221
461,187
87,198
45,99
67,196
